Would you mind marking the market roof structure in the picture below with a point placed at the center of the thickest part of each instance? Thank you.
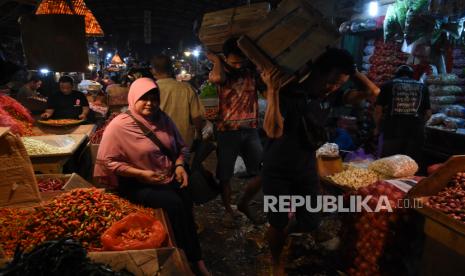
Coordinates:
(72, 7)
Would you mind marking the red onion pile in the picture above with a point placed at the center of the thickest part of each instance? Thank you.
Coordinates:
(451, 200)
(374, 230)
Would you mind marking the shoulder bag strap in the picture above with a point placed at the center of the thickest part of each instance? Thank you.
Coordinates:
(151, 135)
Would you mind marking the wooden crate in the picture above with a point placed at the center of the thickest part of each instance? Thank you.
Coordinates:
(292, 35)
(218, 26)
(438, 226)
(163, 261)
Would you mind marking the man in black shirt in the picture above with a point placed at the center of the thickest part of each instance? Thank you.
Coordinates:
(402, 108)
(67, 103)
(289, 166)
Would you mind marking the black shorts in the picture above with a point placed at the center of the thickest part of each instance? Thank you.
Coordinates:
(303, 184)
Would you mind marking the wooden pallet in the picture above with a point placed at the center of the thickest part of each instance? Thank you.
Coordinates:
(218, 26)
(292, 35)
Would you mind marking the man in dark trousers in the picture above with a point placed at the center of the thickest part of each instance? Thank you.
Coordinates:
(299, 114)
(402, 108)
(237, 124)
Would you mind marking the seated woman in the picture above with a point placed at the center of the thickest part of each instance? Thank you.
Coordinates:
(142, 153)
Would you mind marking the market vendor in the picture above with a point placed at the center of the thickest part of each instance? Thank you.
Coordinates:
(67, 103)
(294, 121)
(142, 153)
(29, 89)
(402, 109)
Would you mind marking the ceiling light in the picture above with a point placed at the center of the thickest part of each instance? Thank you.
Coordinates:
(373, 8)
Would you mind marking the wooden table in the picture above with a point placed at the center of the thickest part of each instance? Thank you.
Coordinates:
(53, 163)
(41, 130)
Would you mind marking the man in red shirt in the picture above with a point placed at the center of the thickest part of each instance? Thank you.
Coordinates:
(238, 117)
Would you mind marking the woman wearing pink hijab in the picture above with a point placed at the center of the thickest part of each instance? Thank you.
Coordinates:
(148, 174)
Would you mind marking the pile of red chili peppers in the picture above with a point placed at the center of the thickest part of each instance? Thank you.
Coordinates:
(82, 214)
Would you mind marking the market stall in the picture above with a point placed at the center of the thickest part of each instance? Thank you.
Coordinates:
(49, 207)
(442, 198)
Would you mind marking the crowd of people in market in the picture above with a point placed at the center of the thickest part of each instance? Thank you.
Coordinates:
(146, 150)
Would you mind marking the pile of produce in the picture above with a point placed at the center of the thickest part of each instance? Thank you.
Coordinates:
(386, 58)
(458, 61)
(15, 116)
(354, 177)
(36, 147)
(98, 108)
(50, 184)
(208, 90)
(82, 214)
(451, 200)
(96, 138)
(447, 101)
(64, 257)
(211, 112)
(375, 231)
(134, 232)
(209, 98)
(395, 166)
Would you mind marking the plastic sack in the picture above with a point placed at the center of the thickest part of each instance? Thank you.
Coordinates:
(436, 119)
(134, 232)
(391, 25)
(366, 66)
(395, 166)
(454, 123)
(329, 150)
(358, 156)
(445, 79)
(208, 90)
(366, 59)
(447, 90)
(457, 111)
(443, 100)
(369, 50)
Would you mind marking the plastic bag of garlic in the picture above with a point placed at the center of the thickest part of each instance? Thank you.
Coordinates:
(395, 166)
(328, 150)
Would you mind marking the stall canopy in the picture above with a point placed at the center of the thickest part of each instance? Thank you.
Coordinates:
(72, 7)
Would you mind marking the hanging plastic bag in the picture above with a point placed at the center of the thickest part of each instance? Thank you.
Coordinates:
(134, 232)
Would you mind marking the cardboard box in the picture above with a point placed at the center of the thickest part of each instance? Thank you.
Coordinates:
(17, 181)
(163, 261)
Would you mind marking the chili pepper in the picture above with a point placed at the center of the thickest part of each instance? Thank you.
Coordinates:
(80, 216)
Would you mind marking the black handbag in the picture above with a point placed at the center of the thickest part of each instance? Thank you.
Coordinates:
(202, 183)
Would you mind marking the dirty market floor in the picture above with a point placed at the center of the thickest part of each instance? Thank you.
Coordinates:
(242, 250)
